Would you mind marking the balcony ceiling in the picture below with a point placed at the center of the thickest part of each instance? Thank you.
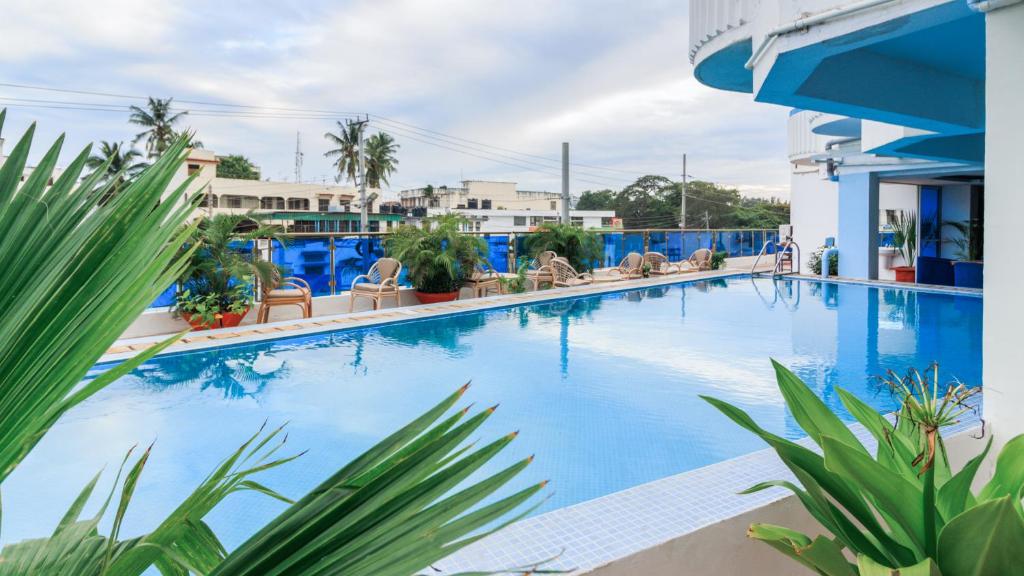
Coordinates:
(724, 69)
(923, 69)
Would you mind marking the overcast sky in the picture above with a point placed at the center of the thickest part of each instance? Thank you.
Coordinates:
(610, 77)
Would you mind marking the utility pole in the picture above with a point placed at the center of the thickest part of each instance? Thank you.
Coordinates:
(298, 157)
(364, 219)
(565, 183)
(682, 201)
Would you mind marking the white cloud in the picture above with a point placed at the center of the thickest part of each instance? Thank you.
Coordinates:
(610, 77)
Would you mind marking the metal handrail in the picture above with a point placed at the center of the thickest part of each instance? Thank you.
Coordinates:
(764, 250)
(779, 260)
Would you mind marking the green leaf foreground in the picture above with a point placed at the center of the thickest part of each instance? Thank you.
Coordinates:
(901, 511)
(82, 260)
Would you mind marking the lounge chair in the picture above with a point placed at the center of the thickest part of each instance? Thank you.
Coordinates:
(380, 282)
(631, 267)
(565, 275)
(699, 261)
(484, 279)
(290, 291)
(659, 264)
(539, 270)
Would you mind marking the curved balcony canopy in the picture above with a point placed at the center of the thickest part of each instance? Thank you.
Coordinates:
(837, 126)
(923, 68)
(720, 43)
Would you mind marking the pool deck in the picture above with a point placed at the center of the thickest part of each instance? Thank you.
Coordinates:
(331, 318)
(127, 347)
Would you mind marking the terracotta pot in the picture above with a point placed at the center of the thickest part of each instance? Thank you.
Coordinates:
(197, 323)
(230, 319)
(905, 274)
(435, 297)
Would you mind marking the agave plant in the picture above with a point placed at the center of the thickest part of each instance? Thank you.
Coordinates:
(904, 236)
(901, 511)
(581, 247)
(77, 272)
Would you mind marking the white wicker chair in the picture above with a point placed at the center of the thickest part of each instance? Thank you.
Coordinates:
(631, 267)
(659, 264)
(380, 282)
(540, 269)
(699, 261)
(565, 275)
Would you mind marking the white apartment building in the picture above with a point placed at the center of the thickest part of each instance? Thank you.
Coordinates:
(497, 207)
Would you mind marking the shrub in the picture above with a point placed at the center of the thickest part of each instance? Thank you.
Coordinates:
(580, 247)
(814, 261)
(438, 256)
(717, 260)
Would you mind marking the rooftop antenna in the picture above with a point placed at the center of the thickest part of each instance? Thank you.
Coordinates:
(298, 157)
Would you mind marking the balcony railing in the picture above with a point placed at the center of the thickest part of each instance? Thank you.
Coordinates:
(710, 19)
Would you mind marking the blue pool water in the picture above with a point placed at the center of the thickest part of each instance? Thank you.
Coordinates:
(604, 390)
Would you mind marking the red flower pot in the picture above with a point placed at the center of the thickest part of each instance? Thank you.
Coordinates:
(905, 274)
(197, 322)
(435, 297)
(230, 319)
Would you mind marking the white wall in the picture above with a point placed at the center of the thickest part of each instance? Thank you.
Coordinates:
(1004, 204)
(814, 206)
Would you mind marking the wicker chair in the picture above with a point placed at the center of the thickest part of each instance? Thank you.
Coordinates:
(484, 280)
(565, 275)
(290, 291)
(380, 282)
(699, 261)
(540, 270)
(631, 267)
(659, 264)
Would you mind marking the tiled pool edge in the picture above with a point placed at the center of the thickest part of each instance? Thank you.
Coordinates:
(593, 534)
(224, 337)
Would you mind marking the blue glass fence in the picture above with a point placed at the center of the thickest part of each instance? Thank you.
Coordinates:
(330, 263)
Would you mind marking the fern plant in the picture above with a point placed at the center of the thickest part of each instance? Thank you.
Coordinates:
(581, 247)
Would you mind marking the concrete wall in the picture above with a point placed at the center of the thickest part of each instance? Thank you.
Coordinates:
(1004, 205)
(814, 210)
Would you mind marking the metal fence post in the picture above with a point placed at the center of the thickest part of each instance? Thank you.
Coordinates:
(647, 241)
(330, 251)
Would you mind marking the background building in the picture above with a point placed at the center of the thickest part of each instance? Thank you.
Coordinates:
(496, 207)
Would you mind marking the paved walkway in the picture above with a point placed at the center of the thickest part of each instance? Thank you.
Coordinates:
(207, 338)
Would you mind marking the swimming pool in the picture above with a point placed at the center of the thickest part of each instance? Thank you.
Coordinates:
(603, 388)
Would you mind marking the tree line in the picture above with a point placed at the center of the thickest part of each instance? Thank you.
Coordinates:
(160, 125)
(654, 202)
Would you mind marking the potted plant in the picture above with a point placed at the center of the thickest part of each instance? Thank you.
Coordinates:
(580, 247)
(904, 238)
(218, 283)
(645, 270)
(438, 257)
(201, 311)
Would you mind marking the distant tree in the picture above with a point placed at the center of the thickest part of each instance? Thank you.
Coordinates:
(346, 155)
(381, 150)
(654, 202)
(121, 164)
(597, 200)
(238, 167)
(158, 119)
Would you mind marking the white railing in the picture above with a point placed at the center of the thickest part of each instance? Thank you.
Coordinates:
(712, 18)
(803, 143)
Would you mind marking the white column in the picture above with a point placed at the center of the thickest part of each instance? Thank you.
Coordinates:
(858, 225)
(1004, 211)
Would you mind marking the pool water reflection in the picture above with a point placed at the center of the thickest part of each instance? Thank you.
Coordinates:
(604, 390)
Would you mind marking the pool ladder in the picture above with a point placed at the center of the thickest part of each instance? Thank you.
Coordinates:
(782, 257)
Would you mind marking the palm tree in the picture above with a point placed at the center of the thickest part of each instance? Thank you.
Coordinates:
(347, 151)
(380, 158)
(119, 164)
(158, 120)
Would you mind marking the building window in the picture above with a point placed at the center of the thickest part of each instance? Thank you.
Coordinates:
(485, 204)
(193, 168)
(536, 220)
(298, 203)
(577, 221)
(323, 204)
(606, 222)
(208, 199)
(477, 226)
(272, 203)
(241, 202)
(471, 204)
(554, 205)
(519, 220)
